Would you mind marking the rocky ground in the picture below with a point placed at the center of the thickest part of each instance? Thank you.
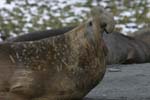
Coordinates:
(123, 82)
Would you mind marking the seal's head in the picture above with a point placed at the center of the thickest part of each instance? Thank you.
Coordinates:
(100, 22)
(107, 22)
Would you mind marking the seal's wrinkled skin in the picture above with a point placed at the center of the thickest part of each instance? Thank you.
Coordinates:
(33, 36)
(125, 49)
(142, 34)
(118, 47)
(63, 67)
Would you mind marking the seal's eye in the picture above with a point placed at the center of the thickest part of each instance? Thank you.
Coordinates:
(90, 23)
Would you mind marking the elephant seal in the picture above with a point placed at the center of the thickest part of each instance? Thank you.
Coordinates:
(63, 67)
(118, 47)
(142, 34)
(121, 48)
(124, 49)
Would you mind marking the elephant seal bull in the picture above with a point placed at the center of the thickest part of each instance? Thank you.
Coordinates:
(125, 49)
(142, 36)
(63, 67)
(121, 48)
(118, 48)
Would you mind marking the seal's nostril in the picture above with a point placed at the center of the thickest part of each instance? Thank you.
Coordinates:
(90, 23)
(103, 25)
(106, 31)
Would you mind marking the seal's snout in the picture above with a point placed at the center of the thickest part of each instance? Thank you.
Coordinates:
(104, 26)
(90, 23)
(107, 20)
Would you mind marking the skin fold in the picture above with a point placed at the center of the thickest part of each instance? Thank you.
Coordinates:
(62, 67)
(125, 49)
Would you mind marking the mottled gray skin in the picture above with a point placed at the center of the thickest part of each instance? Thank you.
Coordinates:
(64, 67)
(142, 34)
(125, 49)
(118, 48)
(122, 49)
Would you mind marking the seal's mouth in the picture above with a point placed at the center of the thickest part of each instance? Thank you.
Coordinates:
(105, 49)
(104, 46)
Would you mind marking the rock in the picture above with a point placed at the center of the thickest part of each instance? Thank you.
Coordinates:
(114, 69)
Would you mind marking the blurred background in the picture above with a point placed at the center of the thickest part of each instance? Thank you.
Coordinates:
(22, 16)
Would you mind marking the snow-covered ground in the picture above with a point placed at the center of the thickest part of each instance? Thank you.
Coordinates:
(56, 5)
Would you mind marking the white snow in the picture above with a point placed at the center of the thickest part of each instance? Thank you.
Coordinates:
(79, 10)
(31, 1)
(56, 6)
(127, 13)
(28, 25)
(128, 28)
(68, 20)
(148, 14)
(7, 6)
